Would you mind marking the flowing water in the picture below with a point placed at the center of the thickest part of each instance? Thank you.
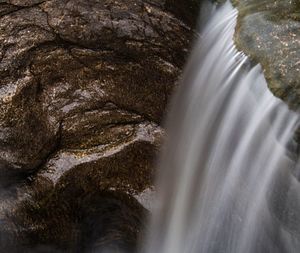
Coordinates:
(227, 182)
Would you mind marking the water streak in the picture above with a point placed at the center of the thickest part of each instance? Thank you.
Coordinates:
(224, 161)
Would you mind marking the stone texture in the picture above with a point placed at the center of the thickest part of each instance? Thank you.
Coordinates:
(83, 90)
(268, 31)
(187, 10)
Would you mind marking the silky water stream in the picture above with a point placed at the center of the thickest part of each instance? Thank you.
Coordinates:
(228, 180)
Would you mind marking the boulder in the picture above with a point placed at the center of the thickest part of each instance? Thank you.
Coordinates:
(84, 87)
(268, 32)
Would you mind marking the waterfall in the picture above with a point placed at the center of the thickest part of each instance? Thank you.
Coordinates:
(226, 182)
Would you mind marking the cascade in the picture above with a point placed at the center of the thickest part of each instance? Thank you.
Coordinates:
(226, 182)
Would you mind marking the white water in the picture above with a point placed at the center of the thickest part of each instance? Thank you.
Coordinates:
(226, 183)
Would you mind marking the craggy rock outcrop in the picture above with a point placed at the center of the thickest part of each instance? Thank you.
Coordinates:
(83, 90)
(268, 31)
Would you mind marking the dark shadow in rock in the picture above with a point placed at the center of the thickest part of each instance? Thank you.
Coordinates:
(117, 227)
(103, 221)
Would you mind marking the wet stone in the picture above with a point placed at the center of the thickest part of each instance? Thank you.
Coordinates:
(84, 87)
(268, 31)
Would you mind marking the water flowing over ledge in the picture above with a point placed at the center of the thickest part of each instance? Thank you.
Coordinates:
(227, 182)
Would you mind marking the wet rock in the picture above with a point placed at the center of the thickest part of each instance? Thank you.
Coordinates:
(268, 31)
(23, 3)
(124, 164)
(147, 198)
(188, 10)
(27, 135)
(83, 91)
(59, 221)
(83, 200)
(194, 13)
(53, 67)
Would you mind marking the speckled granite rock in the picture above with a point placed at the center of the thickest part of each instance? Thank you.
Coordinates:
(269, 32)
(83, 90)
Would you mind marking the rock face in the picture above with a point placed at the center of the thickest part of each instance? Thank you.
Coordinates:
(268, 31)
(83, 90)
(187, 10)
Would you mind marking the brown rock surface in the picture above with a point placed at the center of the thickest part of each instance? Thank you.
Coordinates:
(83, 90)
